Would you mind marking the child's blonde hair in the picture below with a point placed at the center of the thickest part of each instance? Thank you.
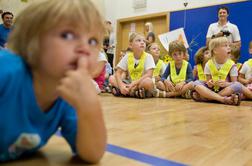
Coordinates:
(176, 46)
(43, 15)
(150, 25)
(150, 45)
(250, 44)
(134, 35)
(199, 55)
(216, 42)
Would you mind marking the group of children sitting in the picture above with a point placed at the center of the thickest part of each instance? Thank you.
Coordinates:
(216, 76)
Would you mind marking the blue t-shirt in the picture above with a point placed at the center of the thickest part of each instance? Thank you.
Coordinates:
(4, 32)
(24, 127)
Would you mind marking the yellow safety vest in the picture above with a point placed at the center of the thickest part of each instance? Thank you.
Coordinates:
(182, 73)
(249, 62)
(136, 72)
(158, 68)
(201, 75)
(220, 74)
(238, 65)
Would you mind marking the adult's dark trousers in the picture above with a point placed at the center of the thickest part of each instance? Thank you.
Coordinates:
(110, 59)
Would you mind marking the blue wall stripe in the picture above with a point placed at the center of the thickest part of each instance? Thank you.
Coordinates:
(138, 156)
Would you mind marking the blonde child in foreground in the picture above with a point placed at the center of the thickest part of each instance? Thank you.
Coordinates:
(221, 74)
(139, 66)
(46, 81)
(177, 78)
(201, 58)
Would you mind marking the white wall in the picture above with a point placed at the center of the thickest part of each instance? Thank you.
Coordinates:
(14, 6)
(116, 9)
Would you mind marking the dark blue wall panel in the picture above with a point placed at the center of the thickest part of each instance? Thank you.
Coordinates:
(198, 20)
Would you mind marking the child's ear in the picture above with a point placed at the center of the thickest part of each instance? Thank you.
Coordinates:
(214, 51)
(130, 45)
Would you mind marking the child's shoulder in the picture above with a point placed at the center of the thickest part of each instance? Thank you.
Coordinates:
(9, 59)
(248, 62)
(11, 63)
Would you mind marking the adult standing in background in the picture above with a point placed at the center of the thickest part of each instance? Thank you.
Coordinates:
(224, 28)
(149, 31)
(5, 28)
(109, 42)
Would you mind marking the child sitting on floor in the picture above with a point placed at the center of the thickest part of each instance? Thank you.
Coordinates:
(221, 74)
(139, 66)
(99, 73)
(235, 56)
(245, 76)
(176, 80)
(154, 50)
(201, 57)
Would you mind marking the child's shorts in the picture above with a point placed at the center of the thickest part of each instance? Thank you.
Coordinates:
(126, 81)
(235, 86)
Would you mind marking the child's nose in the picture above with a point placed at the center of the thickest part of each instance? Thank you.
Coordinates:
(83, 48)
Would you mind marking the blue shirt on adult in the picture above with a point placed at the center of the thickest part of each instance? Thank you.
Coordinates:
(189, 74)
(24, 126)
(4, 33)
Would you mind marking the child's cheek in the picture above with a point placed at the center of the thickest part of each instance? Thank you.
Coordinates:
(92, 63)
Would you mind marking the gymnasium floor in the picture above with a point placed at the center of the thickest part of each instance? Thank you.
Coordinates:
(164, 132)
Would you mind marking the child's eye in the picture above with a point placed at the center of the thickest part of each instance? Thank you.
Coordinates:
(68, 35)
(140, 40)
(155, 49)
(93, 42)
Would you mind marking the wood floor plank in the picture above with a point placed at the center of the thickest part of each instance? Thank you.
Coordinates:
(173, 129)
(181, 130)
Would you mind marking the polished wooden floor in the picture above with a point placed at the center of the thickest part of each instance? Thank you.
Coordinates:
(179, 130)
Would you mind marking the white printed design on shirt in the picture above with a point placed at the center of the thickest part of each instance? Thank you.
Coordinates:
(24, 142)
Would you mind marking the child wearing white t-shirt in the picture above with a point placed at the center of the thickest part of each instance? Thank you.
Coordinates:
(245, 76)
(139, 66)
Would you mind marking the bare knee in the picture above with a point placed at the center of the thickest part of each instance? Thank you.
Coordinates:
(147, 84)
(160, 85)
(112, 80)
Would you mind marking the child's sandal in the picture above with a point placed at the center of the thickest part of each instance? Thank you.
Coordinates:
(187, 94)
(234, 99)
(239, 98)
(115, 91)
(155, 92)
(159, 93)
(137, 95)
(142, 93)
(132, 93)
(195, 96)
